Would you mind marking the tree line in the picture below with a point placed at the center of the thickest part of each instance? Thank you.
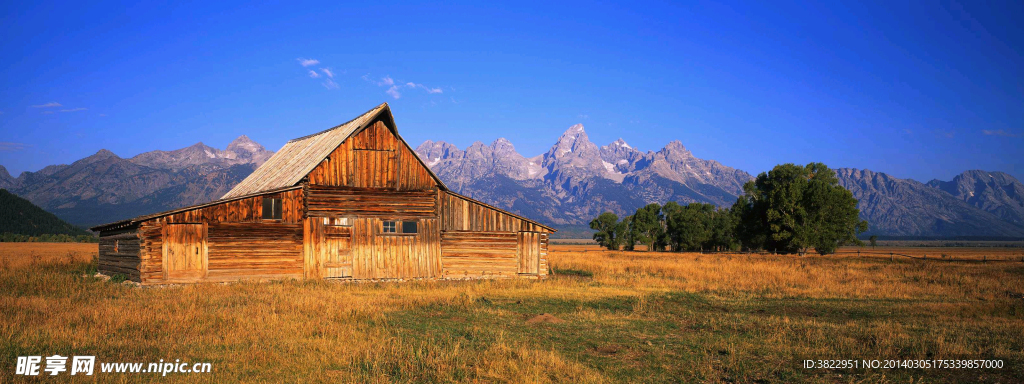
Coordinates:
(790, 209)
(21, 217)
(8, 237)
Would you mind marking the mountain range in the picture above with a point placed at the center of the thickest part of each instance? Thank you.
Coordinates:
(104, 187)
(568, 185)
(576, 180)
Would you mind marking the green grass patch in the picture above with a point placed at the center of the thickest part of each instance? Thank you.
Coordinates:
(571, 272)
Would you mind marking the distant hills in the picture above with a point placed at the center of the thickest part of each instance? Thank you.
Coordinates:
(566, 186)
(904, 207)
(994, 192)
(21, 217)
(104, 187)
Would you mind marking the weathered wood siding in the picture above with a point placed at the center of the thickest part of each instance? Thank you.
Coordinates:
(255, 250)
(529, 252)
(327, 248)
(328, 201)
(544, 240)
(481, 241)
(377, 255)
(119, 253)
(240, 244)
(461, 214)
(533, 253)
(184, 252)
(373, 158)
(372, 254)
(468, 254)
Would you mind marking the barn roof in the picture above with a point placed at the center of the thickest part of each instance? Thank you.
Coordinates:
(300, 156)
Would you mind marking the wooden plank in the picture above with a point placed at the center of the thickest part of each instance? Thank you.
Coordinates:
(185, 250)
(478, 253)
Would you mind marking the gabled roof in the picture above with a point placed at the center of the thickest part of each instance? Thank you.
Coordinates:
(300, 156)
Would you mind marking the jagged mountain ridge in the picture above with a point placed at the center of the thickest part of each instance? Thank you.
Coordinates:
(6, 180)
(576, 180)
(240, 151)
(994, 192)
(905, 207)
(104, 187)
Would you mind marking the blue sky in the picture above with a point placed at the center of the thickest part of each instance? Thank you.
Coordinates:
(923, 90)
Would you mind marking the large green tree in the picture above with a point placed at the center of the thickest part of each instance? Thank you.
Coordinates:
(689, 226)
(750, 230)
(609, 230)
(793, 208)
(646, 226)
(628, 235)
(723, 231)
(699, 227)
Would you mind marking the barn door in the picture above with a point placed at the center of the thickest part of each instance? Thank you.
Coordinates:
(337, 251)
(529, 253)
(184, 250)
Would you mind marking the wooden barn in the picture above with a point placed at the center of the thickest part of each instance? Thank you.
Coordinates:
(350, 202)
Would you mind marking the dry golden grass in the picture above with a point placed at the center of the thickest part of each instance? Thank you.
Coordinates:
(16, 255)
(944, 253)
(626, 317)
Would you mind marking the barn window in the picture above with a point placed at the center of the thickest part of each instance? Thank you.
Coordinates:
(271, 208)
(408, 227)
(399, 227)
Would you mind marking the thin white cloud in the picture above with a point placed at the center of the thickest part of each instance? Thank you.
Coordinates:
(103, 115)
(944, 133)
(395, 87)
(324, 73)
(48, 105)
(74, 109)
(393, 91)
(10, 147)
(582, 116)
(307, 62)
(1000, 132)
(47, 112)
(424, 87)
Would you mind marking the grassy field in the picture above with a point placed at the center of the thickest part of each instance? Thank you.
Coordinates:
(612, 317)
